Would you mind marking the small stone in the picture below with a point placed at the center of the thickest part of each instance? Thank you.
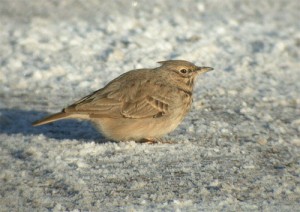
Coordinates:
(262, 141)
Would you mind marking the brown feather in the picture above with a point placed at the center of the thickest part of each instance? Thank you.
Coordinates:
(51, 118)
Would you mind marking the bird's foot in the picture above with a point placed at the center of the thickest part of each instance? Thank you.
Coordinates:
(153, 141)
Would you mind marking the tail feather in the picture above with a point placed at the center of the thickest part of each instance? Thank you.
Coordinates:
(51, 118)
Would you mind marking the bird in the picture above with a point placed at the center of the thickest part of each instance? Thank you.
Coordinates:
(141, 105)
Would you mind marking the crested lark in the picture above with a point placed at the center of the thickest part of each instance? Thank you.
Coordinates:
(142, 104)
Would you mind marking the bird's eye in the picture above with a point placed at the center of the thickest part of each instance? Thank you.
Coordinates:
(183, 71)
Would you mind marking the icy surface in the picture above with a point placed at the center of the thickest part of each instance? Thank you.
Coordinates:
(238, 149)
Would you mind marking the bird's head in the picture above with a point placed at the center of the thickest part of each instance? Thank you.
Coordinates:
(183, 69)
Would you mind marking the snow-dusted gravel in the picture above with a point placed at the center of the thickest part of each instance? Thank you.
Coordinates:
(237, 150)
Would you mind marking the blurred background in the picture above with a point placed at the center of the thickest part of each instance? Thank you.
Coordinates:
(78, 46)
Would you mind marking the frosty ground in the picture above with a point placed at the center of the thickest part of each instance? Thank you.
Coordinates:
(238, 149)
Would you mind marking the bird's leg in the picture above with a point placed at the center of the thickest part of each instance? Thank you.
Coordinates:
(147, 141)
(153, 141)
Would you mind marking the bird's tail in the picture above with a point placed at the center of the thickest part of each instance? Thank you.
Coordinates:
(51, 118)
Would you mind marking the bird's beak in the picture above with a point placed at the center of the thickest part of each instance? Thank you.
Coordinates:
(201, 70)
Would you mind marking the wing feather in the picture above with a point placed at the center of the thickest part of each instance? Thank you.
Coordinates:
(134, 100)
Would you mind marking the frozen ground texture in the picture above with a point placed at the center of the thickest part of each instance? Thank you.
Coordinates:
(238, 149)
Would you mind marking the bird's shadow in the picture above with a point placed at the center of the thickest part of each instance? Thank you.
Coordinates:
(15, 121)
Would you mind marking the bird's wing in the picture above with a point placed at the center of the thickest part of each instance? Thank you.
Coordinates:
(146, 106)
(96, 104)
(134, 100)
(146, 99)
